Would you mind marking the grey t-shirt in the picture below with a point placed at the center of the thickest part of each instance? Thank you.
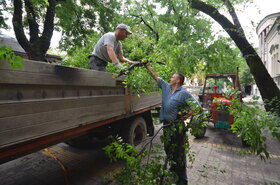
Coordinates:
(100, 49)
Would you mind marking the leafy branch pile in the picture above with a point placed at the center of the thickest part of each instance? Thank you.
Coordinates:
(156, 170)
(135, 171)
(253, 125)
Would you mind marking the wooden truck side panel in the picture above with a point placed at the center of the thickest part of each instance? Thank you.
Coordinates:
(45, 103)
(37, 119)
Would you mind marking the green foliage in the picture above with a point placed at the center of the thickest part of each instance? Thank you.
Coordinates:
(84, 18)
(274, 105)
(78, 57)
(2, 17)
(6, 54)
(222, 57)
(135, 172)
(118, 150)
(184, 43)
(246, 77)
(199, 122)
(251, 122)
(142, 82)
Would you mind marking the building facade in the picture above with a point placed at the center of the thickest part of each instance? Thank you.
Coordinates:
(268, 31)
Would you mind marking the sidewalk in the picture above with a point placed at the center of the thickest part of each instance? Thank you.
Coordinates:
(223, 164)
(221, 160)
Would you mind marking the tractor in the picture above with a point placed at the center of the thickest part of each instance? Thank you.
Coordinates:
(215, 87)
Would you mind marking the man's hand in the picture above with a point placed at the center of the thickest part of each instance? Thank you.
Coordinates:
(189, 114)
(133, 62)
(153, 73)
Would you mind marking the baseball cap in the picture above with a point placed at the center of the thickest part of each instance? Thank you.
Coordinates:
(125, 27)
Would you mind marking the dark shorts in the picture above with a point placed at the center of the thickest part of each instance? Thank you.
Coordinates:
(97, 63)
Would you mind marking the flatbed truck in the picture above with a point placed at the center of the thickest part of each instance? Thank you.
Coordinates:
(44, 104)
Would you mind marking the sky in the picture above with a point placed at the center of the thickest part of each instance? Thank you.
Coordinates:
(253, 13)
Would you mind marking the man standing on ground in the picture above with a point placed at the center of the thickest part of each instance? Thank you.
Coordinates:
(174, 98)
(109, 48)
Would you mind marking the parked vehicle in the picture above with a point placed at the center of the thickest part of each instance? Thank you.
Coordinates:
(216, 86)
(44, 104)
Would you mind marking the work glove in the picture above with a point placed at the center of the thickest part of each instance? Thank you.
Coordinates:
(118, 65)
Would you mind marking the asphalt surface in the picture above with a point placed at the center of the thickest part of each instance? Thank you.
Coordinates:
(219, 159)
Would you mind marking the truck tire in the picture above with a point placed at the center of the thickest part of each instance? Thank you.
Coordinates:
(136, 131)
(82, 142)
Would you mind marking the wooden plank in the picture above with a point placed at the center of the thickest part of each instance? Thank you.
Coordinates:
(51, 74)
(32, 107)
(14, 122)
(22, 77)
(55, 121)
(14, 92)
(145, 101)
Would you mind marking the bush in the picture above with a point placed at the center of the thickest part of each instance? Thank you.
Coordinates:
(251, 122)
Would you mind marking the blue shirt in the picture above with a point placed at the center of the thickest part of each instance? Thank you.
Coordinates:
(171, 102)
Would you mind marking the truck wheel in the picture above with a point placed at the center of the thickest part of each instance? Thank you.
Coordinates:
(84, 141)
(136, 131)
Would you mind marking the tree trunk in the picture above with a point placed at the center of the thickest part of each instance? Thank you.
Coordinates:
(37, 47)
(267, 87)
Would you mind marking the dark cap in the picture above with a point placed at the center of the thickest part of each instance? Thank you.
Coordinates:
(125, 27)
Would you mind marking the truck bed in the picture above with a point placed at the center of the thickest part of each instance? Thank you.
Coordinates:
(46, 103)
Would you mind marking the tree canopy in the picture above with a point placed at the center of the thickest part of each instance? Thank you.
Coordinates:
(34, 22)
(173, 32)
(267, 87)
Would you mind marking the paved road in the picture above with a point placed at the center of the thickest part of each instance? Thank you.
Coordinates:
(219, 159)
(83, 166)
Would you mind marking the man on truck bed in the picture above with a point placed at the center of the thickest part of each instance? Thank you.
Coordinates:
(109, 48)
(174, 97)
